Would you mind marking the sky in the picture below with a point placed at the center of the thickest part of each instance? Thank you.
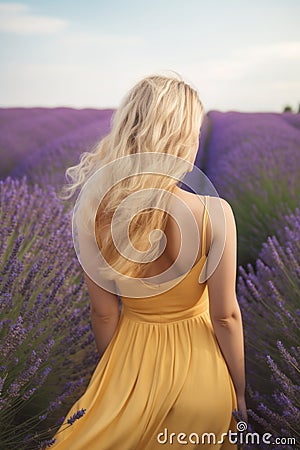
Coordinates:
(241, 55)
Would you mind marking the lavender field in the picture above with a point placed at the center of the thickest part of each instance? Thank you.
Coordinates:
(47, 348)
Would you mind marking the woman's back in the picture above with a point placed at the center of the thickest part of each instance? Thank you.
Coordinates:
(191, 253)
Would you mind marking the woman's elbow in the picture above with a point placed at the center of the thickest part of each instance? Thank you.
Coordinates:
(104, 316)
(227, 320)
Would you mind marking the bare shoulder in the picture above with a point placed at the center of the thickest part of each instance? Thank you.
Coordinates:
(195, 203)
(220, 214)
(197, 200)
(228, 211)
(221, 218)
(225, 204)
(218, 203)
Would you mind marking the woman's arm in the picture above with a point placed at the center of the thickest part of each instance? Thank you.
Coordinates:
(104, 314)
(224, 309)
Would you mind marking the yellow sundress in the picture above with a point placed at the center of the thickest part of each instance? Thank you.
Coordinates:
(162, 381)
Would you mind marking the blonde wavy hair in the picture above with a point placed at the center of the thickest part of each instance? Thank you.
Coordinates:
(160, 114)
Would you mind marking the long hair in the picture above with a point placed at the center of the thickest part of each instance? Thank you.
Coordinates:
(159, 115)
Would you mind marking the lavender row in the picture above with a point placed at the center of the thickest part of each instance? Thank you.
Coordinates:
(269, 298)
(26, 130)
(23, 129)
(47, 165)
(47, 347)
(253, 159)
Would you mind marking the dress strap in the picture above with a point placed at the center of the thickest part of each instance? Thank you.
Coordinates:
(204, 226)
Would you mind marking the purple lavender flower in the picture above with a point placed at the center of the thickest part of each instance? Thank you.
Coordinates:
(27, 130)
(76, 416)
(43, 296)
(269, 300)
(47, 443)
(46, 165)
(253, 160)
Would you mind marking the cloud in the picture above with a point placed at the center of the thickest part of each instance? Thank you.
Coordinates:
(62, 84)
(282, 50)
(17, 18)
(248, 60)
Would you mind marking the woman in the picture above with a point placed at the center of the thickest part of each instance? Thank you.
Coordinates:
(172, 361)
